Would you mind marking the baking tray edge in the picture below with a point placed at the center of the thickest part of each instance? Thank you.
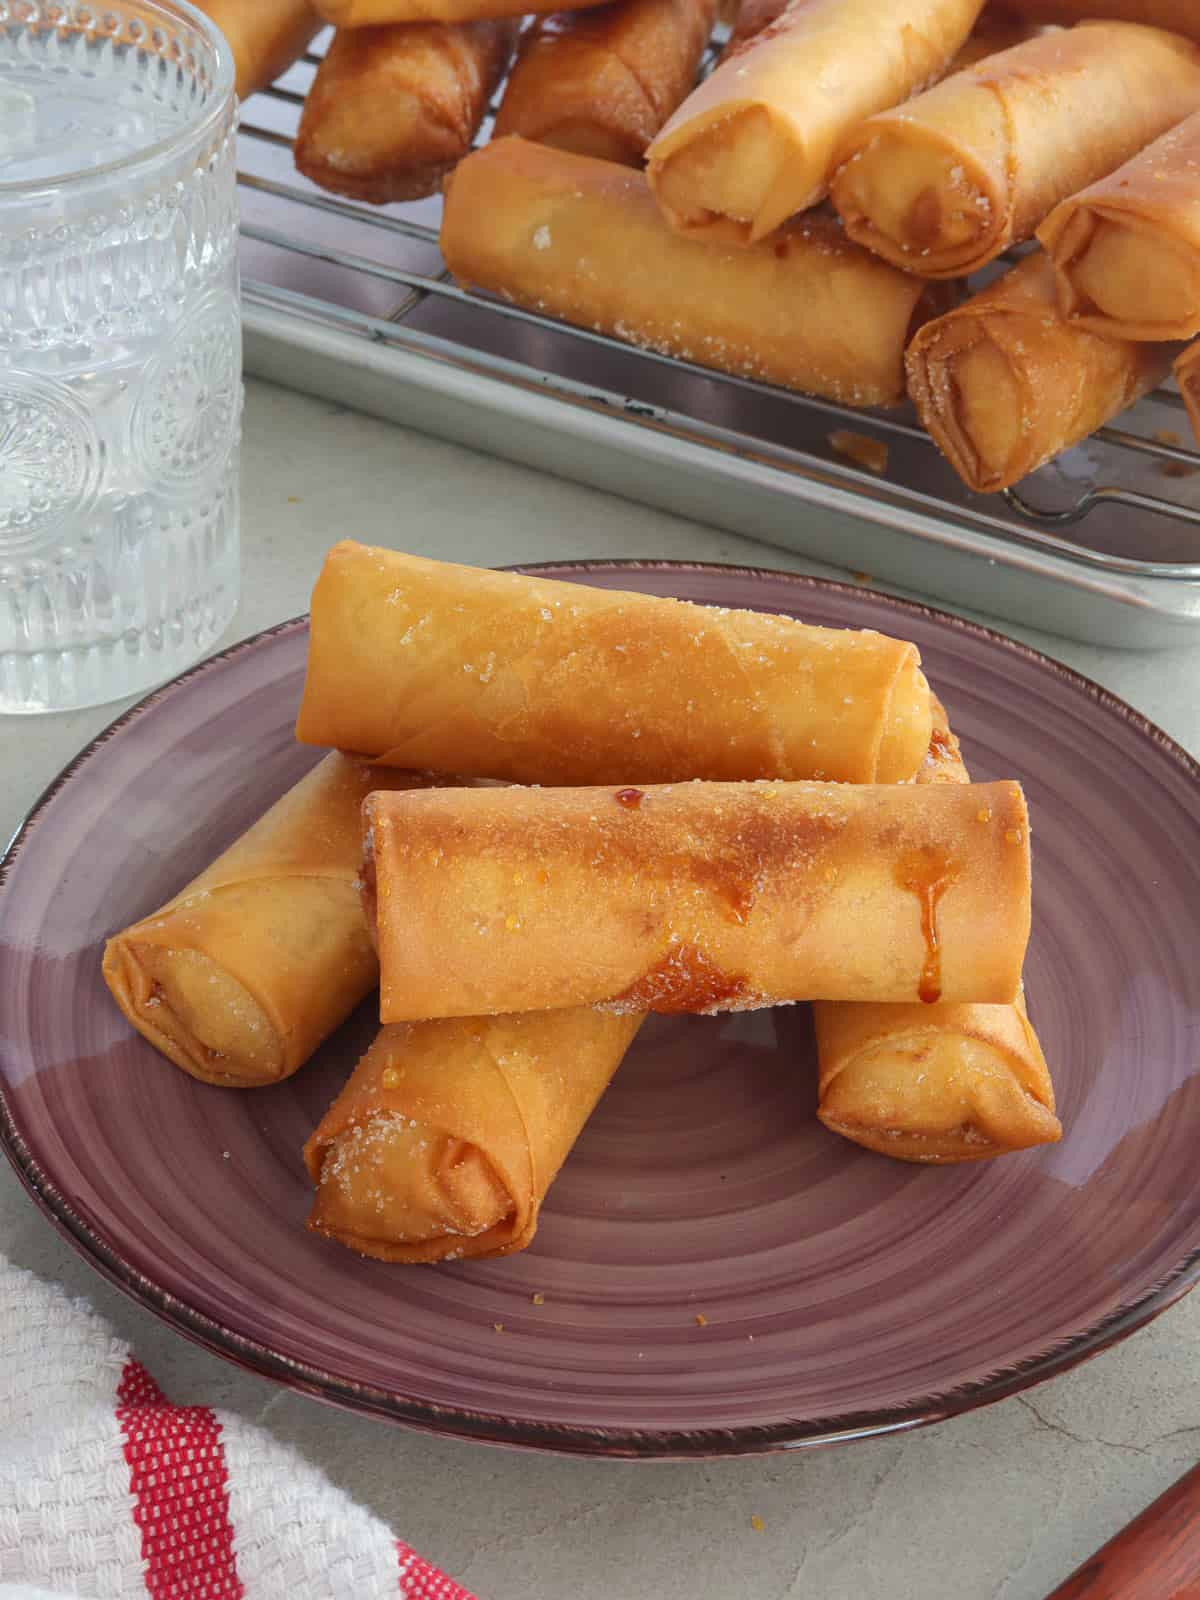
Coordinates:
(603, 447)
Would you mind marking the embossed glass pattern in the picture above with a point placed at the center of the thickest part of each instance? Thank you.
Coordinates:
(120, 348)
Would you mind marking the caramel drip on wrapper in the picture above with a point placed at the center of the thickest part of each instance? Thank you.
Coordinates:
(928, 876)
(684, 980)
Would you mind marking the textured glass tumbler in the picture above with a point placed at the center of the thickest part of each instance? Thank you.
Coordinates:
(120, 348)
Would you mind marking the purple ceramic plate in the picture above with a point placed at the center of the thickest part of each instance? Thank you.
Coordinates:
(842, 1294)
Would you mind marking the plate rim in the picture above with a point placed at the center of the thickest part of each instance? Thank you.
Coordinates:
(573, 1438)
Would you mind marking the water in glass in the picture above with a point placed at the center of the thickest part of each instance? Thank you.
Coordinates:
(120, 348)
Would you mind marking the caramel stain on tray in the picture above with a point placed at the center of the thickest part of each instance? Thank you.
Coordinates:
(928, 874)
(861, 449)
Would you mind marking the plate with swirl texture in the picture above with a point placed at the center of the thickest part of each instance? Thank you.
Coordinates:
(715, 1273)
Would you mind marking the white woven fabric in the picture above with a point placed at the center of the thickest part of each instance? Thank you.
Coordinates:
(66, 1512)
(109, 1492)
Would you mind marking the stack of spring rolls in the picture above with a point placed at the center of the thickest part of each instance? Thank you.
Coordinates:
(568, 808)
(809, 214)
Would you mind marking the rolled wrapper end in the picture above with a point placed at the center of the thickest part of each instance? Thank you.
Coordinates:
(741, 160)
(443, 1143)
(1127, 251)
(944, 375)
(1004, 383)
(919, 200)
(398, 1190)
(966, 1084)
(196, 1013)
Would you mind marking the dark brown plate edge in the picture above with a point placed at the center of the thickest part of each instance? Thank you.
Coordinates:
(564, 1439)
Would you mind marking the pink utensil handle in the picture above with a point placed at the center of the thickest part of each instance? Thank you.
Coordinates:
(1156, 1557)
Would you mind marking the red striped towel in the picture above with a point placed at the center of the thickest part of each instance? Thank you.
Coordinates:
(109, 1492)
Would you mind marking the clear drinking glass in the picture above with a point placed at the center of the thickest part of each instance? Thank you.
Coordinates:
(120, 348)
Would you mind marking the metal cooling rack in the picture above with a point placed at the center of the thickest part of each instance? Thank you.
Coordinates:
(354, 301)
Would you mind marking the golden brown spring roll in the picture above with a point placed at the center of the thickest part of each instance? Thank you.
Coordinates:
(1187, 375)
(935, 1084)
(239, 977)
(378, 13)
(695, 897)
(758, 140)
(265, 37)
(602, 82)
(393, 110)
(1005, 383)
(944, 184)
(1179, 16)
(424, 664)
(1127, 250)
(584, 241)
(446, 1138)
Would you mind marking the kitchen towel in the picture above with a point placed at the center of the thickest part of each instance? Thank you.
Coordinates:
(110, 1492)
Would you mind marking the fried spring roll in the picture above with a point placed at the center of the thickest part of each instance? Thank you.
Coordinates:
(377, 13)
(935, 1084)
(1127, 250)
(758, 140)
(265, 37)
(602, 82)
(446, 1138)
(239, 977)
(1187, 375)
(393, 110)
(944, 184)
(1004, 383)
(1178, 16)
(584, 241)
(543, 682)
(695, 897)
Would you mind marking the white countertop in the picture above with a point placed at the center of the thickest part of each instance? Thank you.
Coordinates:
(1004, 1502)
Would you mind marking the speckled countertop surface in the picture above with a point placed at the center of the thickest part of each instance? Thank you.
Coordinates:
(1001, 1503)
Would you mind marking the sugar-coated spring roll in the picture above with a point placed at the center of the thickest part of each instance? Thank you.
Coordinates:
(941, 1083)
(602, 82)
(1127, 250)
(422, 664)
(943, 184)
(695, 897)
(446, 1138)
(583, 240)
(1187, 375)
(393, 109)
(377, 13)
(1005, 382)
(265, 37)
(1179, 16)
(758, 140)
(239, 977)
